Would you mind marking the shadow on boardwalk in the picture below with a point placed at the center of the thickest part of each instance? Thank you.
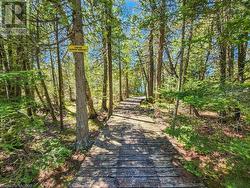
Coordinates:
(132, 152)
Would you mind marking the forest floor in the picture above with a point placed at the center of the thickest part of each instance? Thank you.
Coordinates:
(36, 152)
(217, 152)
(132, 151)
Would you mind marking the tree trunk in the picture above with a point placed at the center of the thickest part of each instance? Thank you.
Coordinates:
(171, 64)
(52, 112)
(181, 61)
(40, 97)
(223, 60)
(92, 112)
(142, 67)
(222, 47)
(230, 59)
(54, 80)
(27, 85)
(109, 45)
(161, 48)
(151, 67)
(82, 129)
(105, 73)
(188, 53)
(3, 59)
(127, 85)
(60, 76)
(242, 49)
(120, 74)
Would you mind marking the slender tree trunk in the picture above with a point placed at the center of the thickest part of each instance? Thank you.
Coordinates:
(82, 129)
(60, 76)
(27, 85)
(10, 64)
(142, 67)
(52, 112)
(161, 48)
(3, 59)
(203, 70)
(223, 59)
(120, 74)
(171, 64)
(222, 46)
(186, 62)
(105, 74)
(242, 49)
(181, 61)
(230, 60)
(40, 97)
(109, 38)
(54, 80)
(127, 85)
(18, 66)
(151, 67)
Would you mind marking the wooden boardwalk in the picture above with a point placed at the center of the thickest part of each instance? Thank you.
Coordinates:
(132, 152)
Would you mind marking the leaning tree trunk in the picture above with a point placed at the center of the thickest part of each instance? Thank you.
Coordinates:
(52, 112)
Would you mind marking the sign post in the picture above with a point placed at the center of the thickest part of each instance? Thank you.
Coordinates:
(77, 48)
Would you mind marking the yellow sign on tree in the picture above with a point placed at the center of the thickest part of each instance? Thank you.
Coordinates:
(77, 48)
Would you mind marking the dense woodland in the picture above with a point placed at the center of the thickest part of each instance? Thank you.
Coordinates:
(190, 58)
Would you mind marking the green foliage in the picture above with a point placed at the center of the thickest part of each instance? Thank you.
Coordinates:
(54, 154)
(236, 151)
(208, 95)
(21, 139)
(19, 77)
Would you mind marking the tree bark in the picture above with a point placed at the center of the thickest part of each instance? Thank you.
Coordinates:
(171, 64)
(60, 76)
(24, 57)
(120, 74)
(161, 47)
(105, 73)
(3, 59)
(186, 62)
(127, 79)
(92, 112)
(222, 47)
(151, 67)
(82, 129)
(181, 61)
(52, 112)
(230, 59)
(242, 49)
(109, 46)
(54, 80)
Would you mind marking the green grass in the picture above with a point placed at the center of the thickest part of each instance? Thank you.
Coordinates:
(233, 150)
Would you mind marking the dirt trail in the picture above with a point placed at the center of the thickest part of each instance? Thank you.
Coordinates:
(132, 152)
